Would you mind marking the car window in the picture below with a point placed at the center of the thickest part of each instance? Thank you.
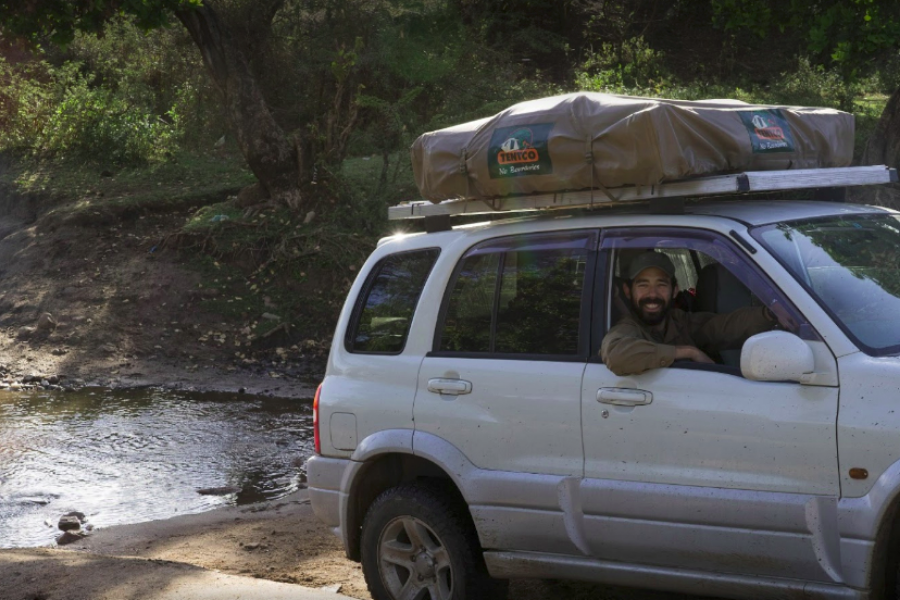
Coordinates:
(383, 314)
(467, 327)
(850, 263)
(518, 296)
(725, 282)
(713, 249)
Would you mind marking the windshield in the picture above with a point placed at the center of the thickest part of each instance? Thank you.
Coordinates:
(851, 264)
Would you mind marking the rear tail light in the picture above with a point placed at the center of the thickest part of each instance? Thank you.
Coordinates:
(317, 440)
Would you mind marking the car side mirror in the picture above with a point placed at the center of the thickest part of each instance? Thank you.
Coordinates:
(777, 356)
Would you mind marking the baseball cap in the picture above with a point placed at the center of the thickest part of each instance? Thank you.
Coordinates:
(646, 260)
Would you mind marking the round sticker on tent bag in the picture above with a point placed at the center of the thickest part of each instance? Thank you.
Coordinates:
(769, 130)
(520, 150)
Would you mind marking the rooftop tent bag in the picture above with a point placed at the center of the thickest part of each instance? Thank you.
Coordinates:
(587, 140)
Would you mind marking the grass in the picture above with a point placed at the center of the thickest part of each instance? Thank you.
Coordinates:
(362, 176)
(73, 187)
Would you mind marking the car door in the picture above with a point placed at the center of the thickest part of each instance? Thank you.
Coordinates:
(699, 468)
(503, 382)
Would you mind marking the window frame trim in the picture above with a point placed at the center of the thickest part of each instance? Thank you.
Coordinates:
(356, 314)
(584, 313)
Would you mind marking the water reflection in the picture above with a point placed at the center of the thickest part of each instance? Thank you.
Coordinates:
(139, 455)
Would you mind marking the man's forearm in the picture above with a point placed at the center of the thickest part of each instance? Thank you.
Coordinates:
(633, 356)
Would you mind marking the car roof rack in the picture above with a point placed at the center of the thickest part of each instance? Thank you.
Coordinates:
(675, 191)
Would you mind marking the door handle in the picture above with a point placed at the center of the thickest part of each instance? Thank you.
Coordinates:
(452, 387)
(624, 396)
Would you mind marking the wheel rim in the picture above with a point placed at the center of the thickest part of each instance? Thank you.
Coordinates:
(413, 561)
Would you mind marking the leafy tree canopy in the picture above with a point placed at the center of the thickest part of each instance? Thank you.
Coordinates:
(849, 32)
(59, 20)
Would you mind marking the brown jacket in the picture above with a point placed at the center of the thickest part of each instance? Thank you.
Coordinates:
(630, 347)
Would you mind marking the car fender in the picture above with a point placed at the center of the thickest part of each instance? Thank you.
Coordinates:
(861, 523)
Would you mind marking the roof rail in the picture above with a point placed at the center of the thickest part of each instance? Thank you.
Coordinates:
(716, 185)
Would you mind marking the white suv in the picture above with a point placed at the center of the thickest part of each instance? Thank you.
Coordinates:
(467, 431)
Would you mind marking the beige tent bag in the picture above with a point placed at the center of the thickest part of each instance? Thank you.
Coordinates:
(596, 141)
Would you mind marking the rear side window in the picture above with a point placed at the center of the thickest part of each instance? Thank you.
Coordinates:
(384, 312)
(519, 296)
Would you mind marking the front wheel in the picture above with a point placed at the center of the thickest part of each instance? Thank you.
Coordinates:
(418, 544)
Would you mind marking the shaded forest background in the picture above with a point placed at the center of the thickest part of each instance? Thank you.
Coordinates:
(129, 108)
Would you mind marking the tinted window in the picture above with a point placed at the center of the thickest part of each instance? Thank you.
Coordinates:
(382, 318)
(519, 296)
(467, 327)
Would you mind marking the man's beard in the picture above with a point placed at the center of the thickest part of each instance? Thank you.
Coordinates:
(656, 318)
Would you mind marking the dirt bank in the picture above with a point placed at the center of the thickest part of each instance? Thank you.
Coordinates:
(100, 298)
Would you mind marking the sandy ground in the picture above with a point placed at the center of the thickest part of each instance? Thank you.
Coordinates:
(280, 541)
(82, 576)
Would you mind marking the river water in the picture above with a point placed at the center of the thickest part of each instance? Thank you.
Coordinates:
(127, 456)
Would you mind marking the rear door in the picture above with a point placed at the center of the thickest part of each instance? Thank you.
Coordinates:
(503, 382)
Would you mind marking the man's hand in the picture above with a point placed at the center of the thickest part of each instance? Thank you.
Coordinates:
(692, 353)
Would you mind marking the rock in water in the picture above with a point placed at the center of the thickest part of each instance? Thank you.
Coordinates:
(69, 523)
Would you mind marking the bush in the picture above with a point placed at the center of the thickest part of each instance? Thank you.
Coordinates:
(813, 85)
(60, 110)
(626, 68)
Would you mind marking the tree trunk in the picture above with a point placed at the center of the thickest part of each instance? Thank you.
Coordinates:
(883, 148)
(272, 156)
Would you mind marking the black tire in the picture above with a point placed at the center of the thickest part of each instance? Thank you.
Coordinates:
(418, 543)
(891, 583)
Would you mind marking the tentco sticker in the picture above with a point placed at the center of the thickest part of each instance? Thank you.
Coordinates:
(769, 130)
(520, 150)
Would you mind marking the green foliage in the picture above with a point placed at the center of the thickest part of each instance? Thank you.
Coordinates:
(363, 78)
(128, 97)
(59, 20)
(622, 68)
(847, 33)
(48, 109)
(755, 16)
(533, 31)
(295, 265)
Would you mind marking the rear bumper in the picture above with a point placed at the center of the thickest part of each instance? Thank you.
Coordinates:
(324, 476)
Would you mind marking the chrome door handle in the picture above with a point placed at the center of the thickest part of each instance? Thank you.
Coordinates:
(624, 396)
(452, 387)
